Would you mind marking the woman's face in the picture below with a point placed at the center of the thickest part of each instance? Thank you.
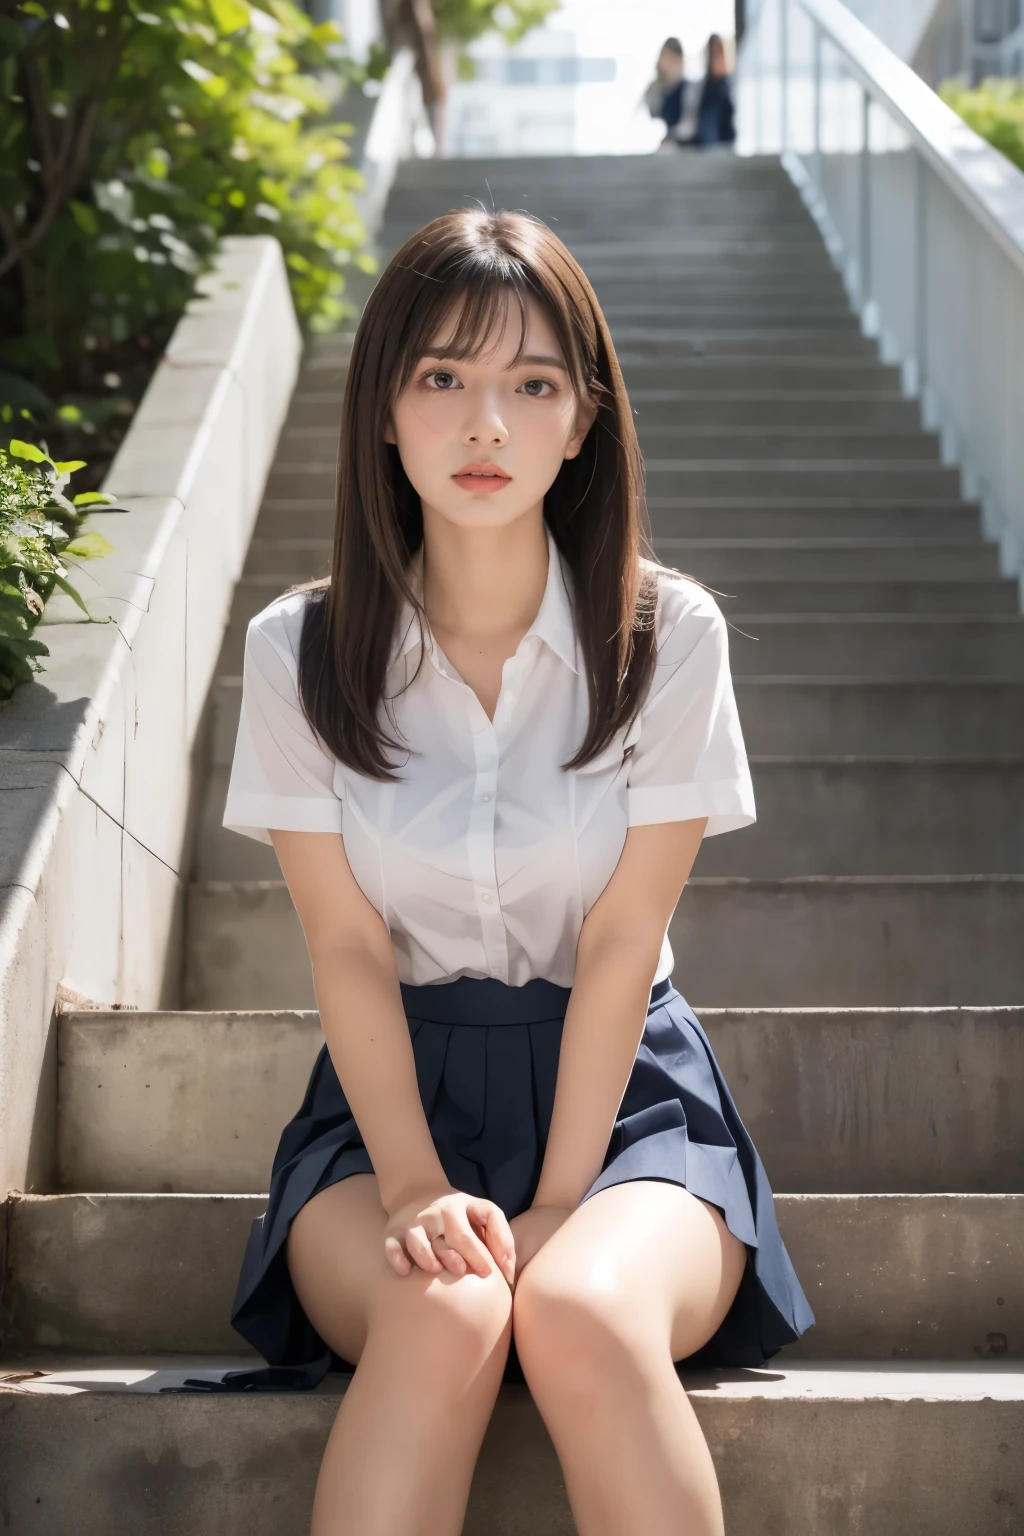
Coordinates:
(670, 65)
(482, 441)
(716, 59)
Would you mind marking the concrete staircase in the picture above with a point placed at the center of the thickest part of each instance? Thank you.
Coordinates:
(857, 956)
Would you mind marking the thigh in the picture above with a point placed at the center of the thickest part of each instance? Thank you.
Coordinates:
(335, 1256)
(662, 1264)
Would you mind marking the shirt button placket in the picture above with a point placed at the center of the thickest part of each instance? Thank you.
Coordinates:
(481, 850)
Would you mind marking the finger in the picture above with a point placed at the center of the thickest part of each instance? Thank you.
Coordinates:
(460, 1236)
(450, 1258)
(497, 1233)
(418, 1247)
(397, 1256)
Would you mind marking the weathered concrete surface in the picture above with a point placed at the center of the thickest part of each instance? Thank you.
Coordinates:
(814, 942)
(96, 752)
(800, 1451)
(889, 1276)
(837, 1102)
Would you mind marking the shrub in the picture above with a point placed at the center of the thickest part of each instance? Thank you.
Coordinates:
(466, 20)
(995, 110)
(38, 531)
(133, 134)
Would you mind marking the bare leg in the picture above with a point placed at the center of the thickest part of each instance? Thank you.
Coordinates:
(640, 1275)
(430, 1350)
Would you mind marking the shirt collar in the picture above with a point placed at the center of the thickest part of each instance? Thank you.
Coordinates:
(553, 624)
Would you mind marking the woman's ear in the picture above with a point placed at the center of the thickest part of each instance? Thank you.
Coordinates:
(389, 430)
(586, 415)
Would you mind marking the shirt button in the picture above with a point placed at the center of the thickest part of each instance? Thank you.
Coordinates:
(485, 896)
(487, 796)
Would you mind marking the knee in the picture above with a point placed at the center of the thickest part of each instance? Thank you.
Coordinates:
(574, 1332)
(445, 1327)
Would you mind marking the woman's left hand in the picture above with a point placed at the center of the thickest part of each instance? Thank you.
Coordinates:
(531, 1230)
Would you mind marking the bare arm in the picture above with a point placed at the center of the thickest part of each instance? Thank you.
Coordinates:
(616, 960)
(357, 991)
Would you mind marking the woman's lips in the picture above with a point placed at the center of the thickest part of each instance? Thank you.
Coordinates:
(481, 479)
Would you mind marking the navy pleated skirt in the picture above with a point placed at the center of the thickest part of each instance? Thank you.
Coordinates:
(486, 1062)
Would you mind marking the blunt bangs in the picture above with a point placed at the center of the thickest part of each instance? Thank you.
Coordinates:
(467, 294)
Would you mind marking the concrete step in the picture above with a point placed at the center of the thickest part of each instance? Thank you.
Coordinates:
(882, 411)
(729, 475)
(826, 560)
(818, 518)
(808, 941)
(642, 322)
(895, 717)
(667, 295)
(838, 1102)
(850, 816)
(801, 345)
(969, 563)
(812, 717)
(862, 595)
(938, 1440)
(880, 479)
(680, 439)
(154, 1274)
(690, 370)
(830, 816)
(878, 645)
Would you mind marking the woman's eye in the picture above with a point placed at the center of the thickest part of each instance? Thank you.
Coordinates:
(441, 380)
(538, 388)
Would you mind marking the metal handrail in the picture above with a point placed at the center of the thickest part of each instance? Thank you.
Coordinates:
(984, 180)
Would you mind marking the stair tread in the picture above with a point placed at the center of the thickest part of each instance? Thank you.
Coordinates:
(814, 1380)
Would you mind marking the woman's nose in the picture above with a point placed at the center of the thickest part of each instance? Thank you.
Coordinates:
(486, 425)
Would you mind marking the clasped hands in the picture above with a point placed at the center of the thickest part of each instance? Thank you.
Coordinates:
(450, 1230)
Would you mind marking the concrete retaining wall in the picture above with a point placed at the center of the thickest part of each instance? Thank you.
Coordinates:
(95, 753)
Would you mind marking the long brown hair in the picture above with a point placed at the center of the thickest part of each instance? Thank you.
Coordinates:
(480, 263)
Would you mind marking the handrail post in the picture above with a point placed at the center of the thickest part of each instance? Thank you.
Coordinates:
(920, 380)
(817, 105)
(864, 285)
(783, 76)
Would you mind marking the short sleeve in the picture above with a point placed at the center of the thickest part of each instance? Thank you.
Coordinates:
(689, 760)
(281, 775)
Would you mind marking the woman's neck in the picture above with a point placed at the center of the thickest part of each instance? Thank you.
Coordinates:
(483, 584)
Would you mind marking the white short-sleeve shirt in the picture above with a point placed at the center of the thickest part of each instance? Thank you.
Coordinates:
(486, 858)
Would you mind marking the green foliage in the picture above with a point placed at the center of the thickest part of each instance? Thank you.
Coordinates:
(133, 135)
(38, 529)
(464, 20)
(995, 110)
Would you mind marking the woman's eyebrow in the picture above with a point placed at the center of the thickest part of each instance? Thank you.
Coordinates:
(532, 359)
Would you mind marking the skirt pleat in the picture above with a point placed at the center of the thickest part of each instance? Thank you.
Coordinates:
(488, 1092)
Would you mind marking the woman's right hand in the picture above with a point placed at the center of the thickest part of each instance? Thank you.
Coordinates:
(449, 1230)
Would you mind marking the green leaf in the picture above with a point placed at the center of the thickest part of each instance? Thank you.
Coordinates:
(28, 451)
(85, 217)
(65, 586)
(88, 546)
(230, 15)
(68, 466)
(93, 499)
(70, 413)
